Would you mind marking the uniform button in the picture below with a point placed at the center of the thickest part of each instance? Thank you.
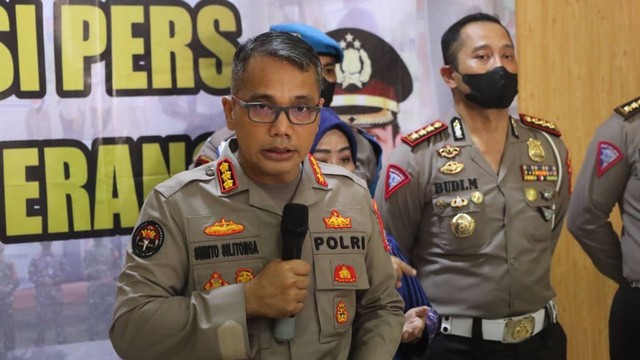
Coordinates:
(210, 172)
(513, 263)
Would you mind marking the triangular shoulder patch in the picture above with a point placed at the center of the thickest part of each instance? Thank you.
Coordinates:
(424, 133)
(544, 125)
(628, 109)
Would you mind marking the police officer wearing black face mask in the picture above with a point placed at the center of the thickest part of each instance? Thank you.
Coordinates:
(478, 199)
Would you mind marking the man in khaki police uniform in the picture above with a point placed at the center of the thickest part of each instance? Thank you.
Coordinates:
(478, 201)
(330, 53)
(610, 175)
(203, 278)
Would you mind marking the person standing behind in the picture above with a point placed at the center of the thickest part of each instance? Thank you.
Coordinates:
(47, 272)
(610, 175)
(478, 202)
(203, 278)
(335, 144)
(9, 282)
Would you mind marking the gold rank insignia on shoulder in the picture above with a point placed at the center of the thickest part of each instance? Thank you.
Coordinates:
(424, 133)
(544, 125)
(629, 109)
(227, 175)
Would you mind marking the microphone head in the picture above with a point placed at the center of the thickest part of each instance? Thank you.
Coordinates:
(295, 224)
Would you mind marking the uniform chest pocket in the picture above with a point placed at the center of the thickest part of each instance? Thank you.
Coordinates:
(540, 199)
(338, 276)
(457, 220)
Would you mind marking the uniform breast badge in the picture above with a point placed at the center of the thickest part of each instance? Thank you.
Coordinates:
(547, 213)
(449, 151)
(536, 152)
(336, 221)
(344, 273)
(459, 202)
(215, 281)
(223, 228)
(462, 225)
(451, 167)
(244, 275)
(477, 197)
(530, 194)
(547, 194)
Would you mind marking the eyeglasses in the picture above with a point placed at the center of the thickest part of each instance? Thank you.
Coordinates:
(266, 113)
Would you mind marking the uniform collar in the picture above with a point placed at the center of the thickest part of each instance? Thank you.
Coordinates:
(305, 194)
(461, 136)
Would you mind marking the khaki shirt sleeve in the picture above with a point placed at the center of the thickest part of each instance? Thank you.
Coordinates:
(378, 325)
(153, 320)
(593, 200)
(401, 206)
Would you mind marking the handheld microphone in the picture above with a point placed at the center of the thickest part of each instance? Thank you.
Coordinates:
(293, 228)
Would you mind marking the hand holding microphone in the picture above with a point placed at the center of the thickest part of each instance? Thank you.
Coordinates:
(294, 228)
(279, 290)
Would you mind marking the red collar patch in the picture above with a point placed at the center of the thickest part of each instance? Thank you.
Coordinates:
(317, 173)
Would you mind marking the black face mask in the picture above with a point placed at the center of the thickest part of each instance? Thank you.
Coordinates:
(494, 89)
(327, 92)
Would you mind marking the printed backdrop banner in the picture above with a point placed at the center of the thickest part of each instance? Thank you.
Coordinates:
(100, 100)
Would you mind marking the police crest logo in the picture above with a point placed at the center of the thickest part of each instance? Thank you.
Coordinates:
(147, 239)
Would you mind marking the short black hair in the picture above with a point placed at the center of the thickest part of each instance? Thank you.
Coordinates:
(451, 38)
(279, 45)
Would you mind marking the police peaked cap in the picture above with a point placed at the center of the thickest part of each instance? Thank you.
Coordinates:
(319, 41)
(372, 79)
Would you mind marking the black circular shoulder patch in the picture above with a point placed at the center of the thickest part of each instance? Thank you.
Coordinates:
(147, 239)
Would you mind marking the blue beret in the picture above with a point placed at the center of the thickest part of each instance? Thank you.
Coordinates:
(329, 120)
(322, 43)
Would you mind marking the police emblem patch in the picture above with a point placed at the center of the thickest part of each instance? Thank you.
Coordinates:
(147, 239)
(344, 273)
(396, 177)
(608, 155)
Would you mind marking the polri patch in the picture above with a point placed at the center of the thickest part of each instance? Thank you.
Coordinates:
(147, 239)
(608, 155)
(396, 177)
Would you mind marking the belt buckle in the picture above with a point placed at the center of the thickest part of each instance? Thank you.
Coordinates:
(518, 330)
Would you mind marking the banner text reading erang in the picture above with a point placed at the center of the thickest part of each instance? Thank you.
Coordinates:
(162, 48)
(61, 189)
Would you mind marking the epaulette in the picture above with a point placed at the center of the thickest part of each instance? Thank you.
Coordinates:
(628, 109)
(544, 125)
(424, 133)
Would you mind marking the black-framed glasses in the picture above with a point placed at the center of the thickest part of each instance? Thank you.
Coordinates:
(267, 113)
